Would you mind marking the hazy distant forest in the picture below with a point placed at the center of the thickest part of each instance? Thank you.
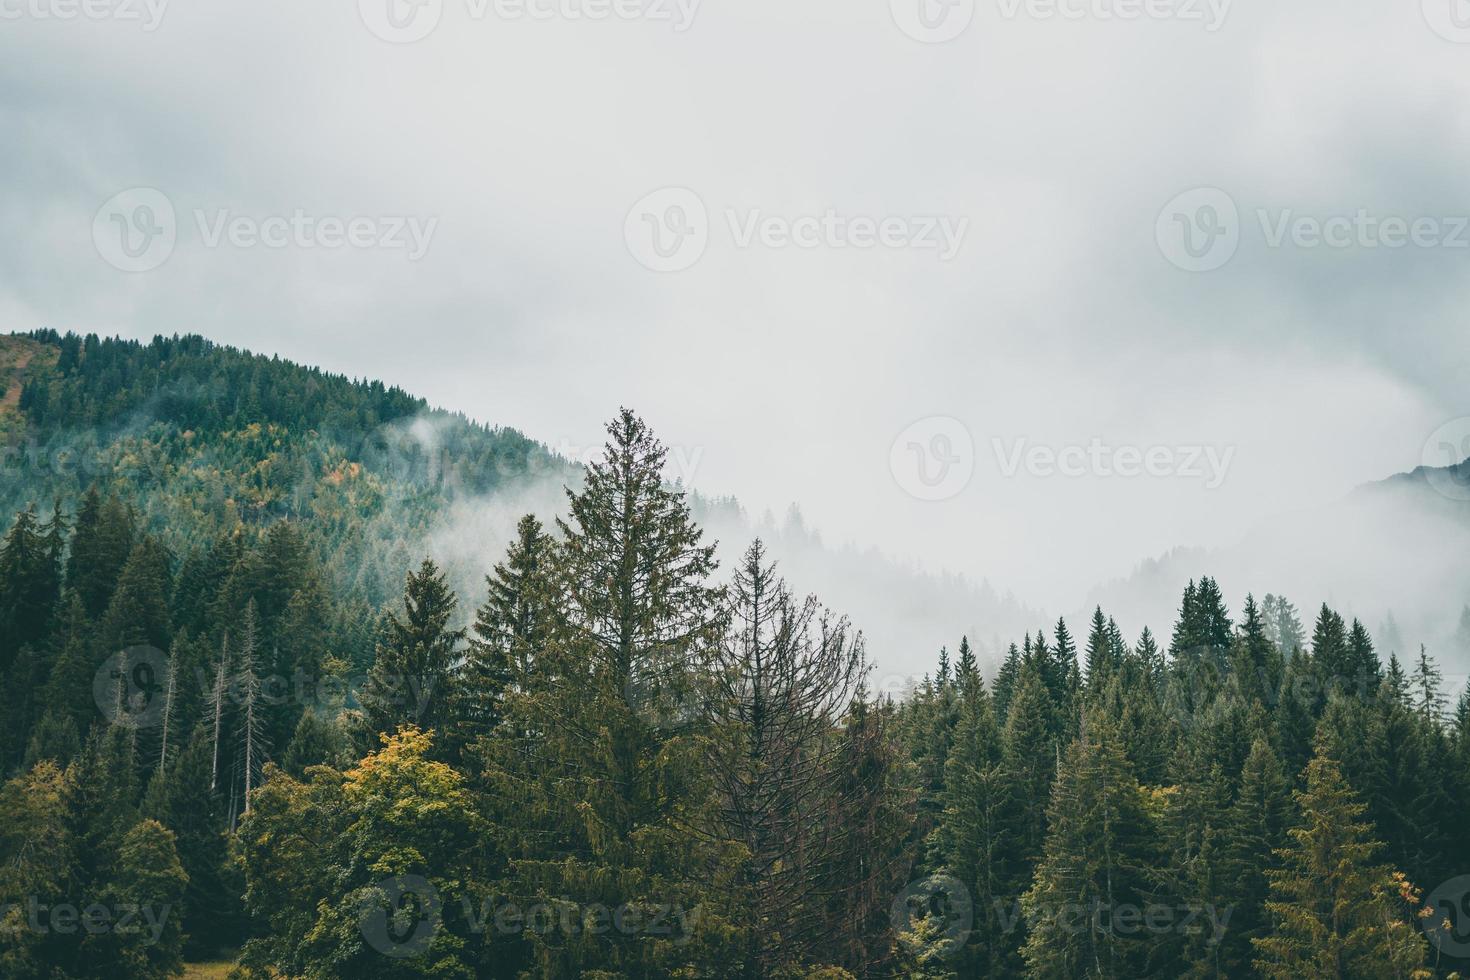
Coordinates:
(244, 721)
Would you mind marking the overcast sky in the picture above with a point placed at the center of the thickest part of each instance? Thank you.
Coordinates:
(892, 265)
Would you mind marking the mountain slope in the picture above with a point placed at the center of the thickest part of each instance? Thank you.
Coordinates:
(202, 438)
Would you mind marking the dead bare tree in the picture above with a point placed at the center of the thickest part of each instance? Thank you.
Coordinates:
(782, 680)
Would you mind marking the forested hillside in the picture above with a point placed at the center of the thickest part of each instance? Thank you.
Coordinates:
(244, 719)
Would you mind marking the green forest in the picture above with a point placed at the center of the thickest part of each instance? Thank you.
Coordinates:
(246, 722)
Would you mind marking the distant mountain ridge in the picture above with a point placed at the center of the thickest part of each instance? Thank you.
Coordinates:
(1391, 551)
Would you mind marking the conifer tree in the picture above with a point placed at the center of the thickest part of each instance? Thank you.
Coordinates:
(508, 636)
(29, 587)
(1100, 649)
(137, 614)
(101, 544)
(974, 834)
(1097, 862)
(967, 671)
(783, 677)
(1336, 914)
(1255, 830)
(1330, 653)
(1255, 663)
(1362, 661)
(1283, 625)
(1006, 679)
(411, 679)
(591, 802)
(1030, 753)
(1429, 700)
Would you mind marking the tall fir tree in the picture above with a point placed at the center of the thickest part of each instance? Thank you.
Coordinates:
(411, 681)
(1336, 914)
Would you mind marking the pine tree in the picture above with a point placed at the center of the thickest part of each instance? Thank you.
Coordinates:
(1429, 700)
(1098, 861)
(589, 801)
(69, 688)
(967, 671)
(1365, 670)
(137, 614)
(1255, 830)
(1330, 652)
(183, 801)
(1283, 625)
(783, 677)
(101, 544)
(1336, 914)
(974, 833)
(412, 677)
(1030, 752)
(1255, 664)
(1100, 649)
(1151, 660)
(29, 587)
(509, 634)
(1005, 682)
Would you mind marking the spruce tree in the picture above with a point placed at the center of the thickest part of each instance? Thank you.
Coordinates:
(508, 635)
(411, 680)
(1255, 830)
(592, 795)
(1096, 869)
(974, 835)
(1336, 914)
(1100, 649)
(1030, 751)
